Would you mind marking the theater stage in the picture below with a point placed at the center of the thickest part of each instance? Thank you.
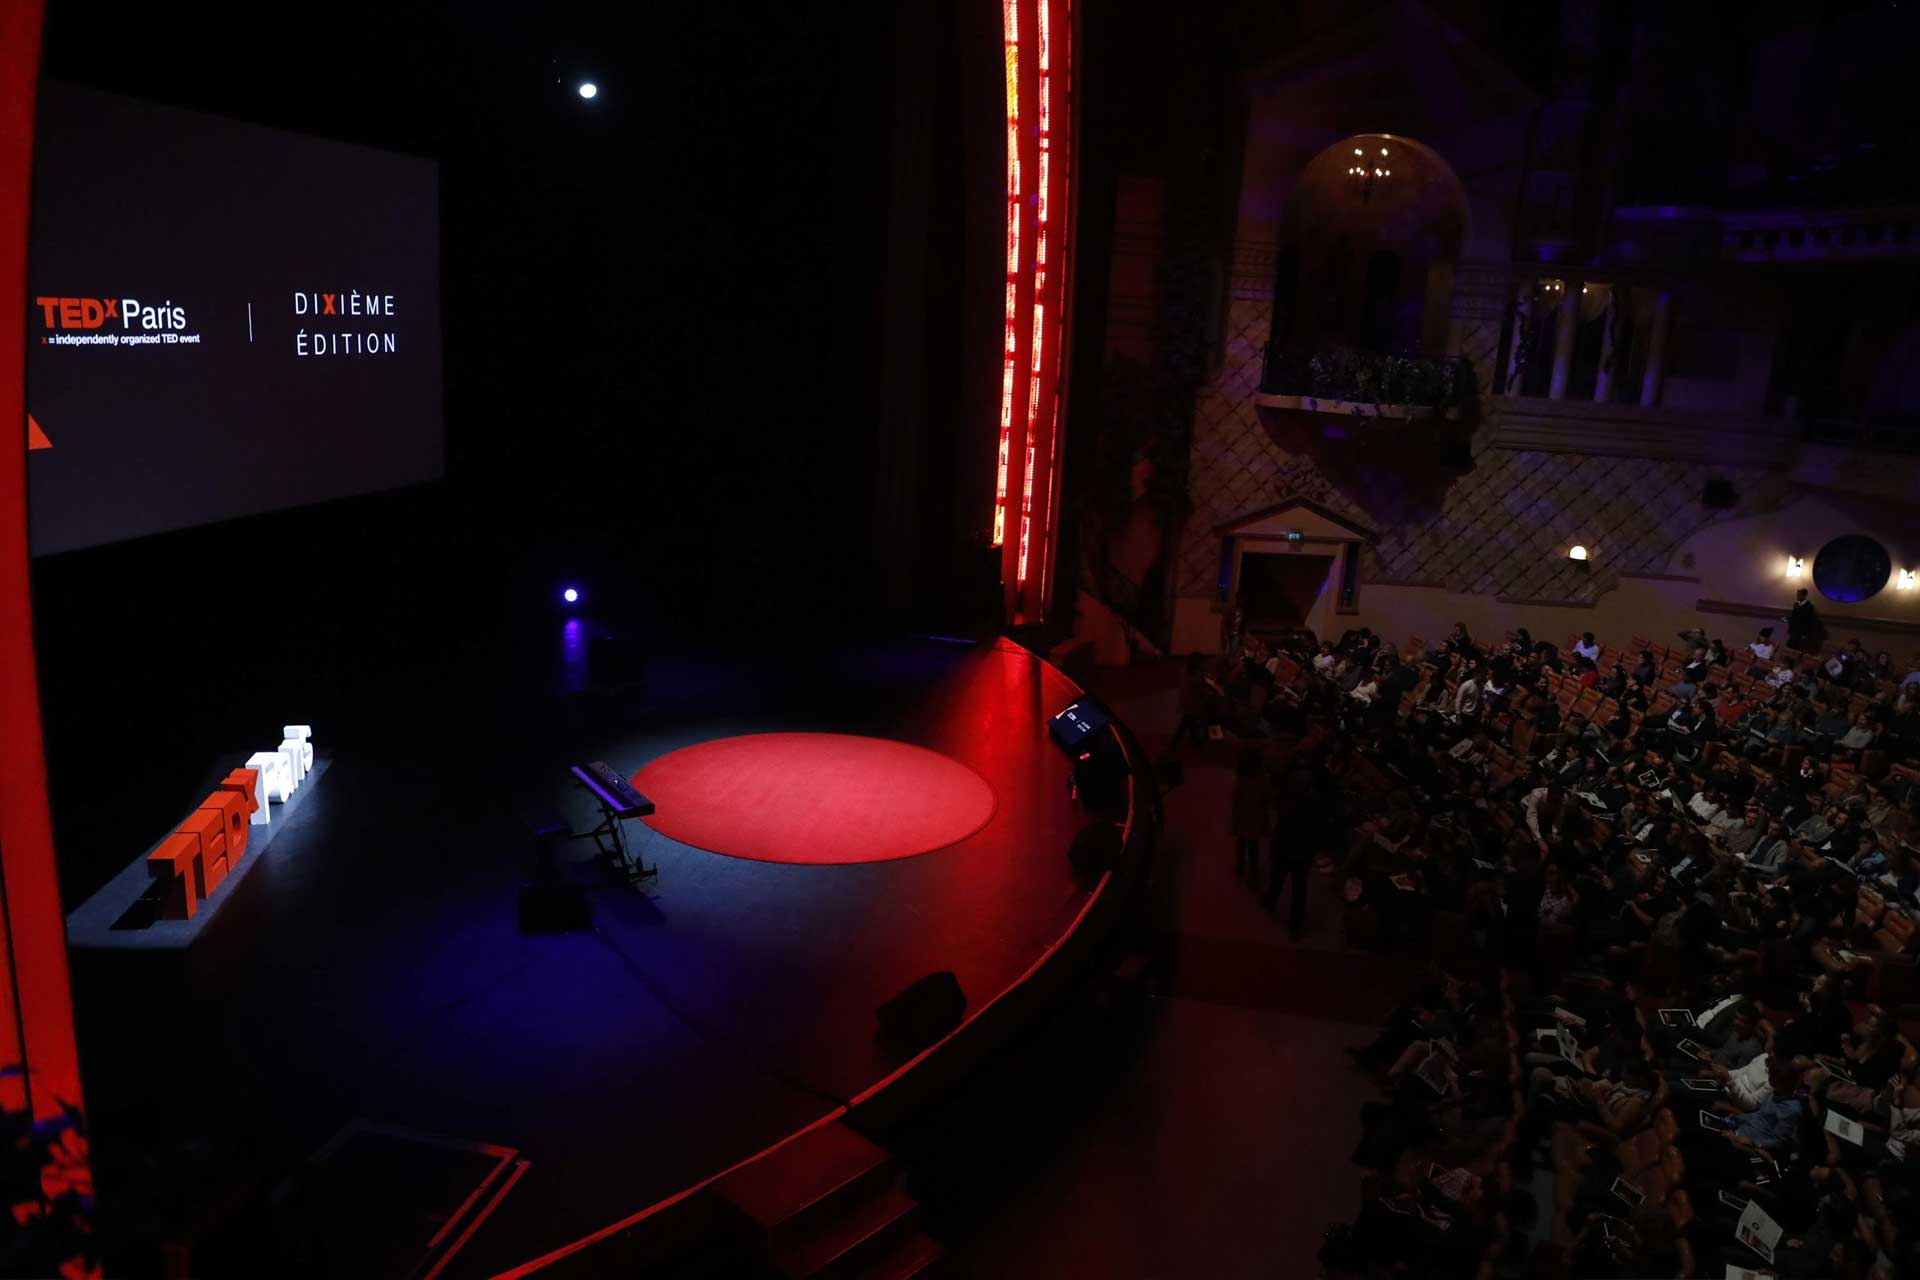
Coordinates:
(371, 969)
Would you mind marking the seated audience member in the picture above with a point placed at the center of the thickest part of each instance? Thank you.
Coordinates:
(1587, 647)
(1699, 665)
(1771, 851)
(1761, 646)
(1817, 827)
(1808, 681)
(1739, 840)
(1615, 683)
(1860, 736)
(1832, 721)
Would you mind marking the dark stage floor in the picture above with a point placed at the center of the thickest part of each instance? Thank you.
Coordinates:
(371, 968)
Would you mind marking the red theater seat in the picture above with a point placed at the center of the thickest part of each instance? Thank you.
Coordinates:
(177, 861)
(208, 829)
(232, 811)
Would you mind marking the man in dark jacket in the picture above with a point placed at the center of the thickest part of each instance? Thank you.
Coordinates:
(1803, 624)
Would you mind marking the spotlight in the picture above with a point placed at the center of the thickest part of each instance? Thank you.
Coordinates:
(588, 89)
(1577, 554)
(571, 595)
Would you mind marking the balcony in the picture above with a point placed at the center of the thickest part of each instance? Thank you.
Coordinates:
(1632, 431)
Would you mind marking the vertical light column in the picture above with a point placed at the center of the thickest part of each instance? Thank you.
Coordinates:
(1010, 353)
(1063, 223)
(1034, 339)
(1036, 361)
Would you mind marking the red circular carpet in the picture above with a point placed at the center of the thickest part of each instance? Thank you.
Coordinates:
(814, 798)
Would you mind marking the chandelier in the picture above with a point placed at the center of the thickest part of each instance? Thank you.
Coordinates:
(1363, 173)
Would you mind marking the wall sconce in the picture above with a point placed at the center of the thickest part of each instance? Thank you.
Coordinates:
(1906, 581)
(1795, 566)
(1578, 555)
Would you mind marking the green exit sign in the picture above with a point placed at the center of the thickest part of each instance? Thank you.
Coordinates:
(1294, 535)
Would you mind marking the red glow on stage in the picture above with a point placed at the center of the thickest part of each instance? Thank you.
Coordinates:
(814, 798)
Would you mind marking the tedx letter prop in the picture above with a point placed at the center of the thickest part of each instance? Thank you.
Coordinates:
(209, 844)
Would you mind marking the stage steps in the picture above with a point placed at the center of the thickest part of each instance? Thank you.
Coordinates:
(917, 1255)
(829, 1205)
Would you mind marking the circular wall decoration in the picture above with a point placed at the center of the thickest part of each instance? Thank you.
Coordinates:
(1851, 567)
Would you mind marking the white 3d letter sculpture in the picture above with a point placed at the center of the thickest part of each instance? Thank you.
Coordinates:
(275, 774)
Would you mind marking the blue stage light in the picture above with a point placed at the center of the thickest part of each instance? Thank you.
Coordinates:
(571, 595)
(588, 89)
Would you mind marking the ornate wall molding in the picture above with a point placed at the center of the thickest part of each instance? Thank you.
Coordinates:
(1251, 273)
(1630, 431)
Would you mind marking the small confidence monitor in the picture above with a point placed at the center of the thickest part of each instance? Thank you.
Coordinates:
(1072, 727)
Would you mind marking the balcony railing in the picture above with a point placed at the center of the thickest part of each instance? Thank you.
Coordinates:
(1897, 435)
(1366, 377)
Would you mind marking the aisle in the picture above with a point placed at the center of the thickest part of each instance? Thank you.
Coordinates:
(1223, 1151)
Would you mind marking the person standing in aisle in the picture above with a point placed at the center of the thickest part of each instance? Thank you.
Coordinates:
(1299, 836)
(1803, 624)
(1252, 813)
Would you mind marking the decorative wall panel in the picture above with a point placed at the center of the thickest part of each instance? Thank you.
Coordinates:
(1501, 527)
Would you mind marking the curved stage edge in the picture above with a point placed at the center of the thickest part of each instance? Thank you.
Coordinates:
(369, 974)
(943, 1065)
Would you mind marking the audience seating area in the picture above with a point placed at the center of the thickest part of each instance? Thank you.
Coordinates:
(1668, 895)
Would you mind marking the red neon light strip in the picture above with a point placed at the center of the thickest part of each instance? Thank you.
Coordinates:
(1035, 363)
(1010, 26)
(632, 1219)
(519, 1169)
(1047, 511)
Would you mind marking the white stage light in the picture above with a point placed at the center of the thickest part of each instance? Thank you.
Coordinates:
(588, 89)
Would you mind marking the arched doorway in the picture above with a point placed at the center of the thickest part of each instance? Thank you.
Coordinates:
(1366, 258)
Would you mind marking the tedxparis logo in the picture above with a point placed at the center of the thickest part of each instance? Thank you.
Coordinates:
(346, 323)
(79, 322)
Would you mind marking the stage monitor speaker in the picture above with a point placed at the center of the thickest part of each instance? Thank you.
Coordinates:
(554, 908)
(921, 1014)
